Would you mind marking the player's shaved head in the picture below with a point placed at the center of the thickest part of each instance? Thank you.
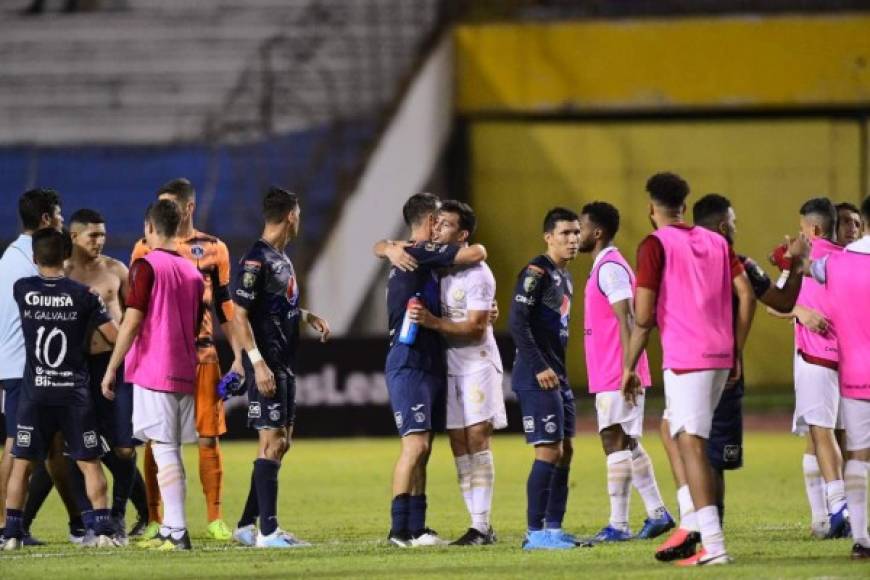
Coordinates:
(419, 207)
(49, 247)
(164, 216)
(822, 213)
(668, 190)
(278, 204)
(85, 217)
(180, 188)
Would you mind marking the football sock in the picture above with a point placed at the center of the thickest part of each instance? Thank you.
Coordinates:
(557, 503)
(643, 477)
(152, 489)
(836, 492)
(463, 475)
(856, 498)
(138, 495)
(102, 522)
(399, 513)
(815, 487)
(711, 530)
(266, 482)
(619, 488)
(173, 484)
(252, 510)
(538, 493)
(14, 524)
(211, 475)
(417, 514)
(123, 473)
(688, 516)
(482, 480)
(37, 491)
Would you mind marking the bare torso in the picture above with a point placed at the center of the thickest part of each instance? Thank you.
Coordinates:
(108, 278)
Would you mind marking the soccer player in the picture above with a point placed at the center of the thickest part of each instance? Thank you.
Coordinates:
(266, 293)
(211, 257)
(37, 209)
(846, 279)
(416, 370)
(684, 285)
(108, 278)
(608, 318)
(57, 317)
(539, 316)
(475, 400)
(725, 445)
(849, 224)
(157, 344)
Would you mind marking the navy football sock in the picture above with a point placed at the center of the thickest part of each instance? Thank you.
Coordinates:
(102, 522)
(558, 502)
(417, 514)
(37, 490)
(266, 481)
(251, 511)
(14, 524)
(538, 493)
(138, 495)
(399, 511)
(123, 473)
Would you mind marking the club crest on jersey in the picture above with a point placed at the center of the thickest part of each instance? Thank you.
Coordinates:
(458, 294)
(197, 251)
(90, 439)
(23, 439)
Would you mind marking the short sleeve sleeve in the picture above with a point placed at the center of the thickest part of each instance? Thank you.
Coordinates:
(141, 282)
(614, 282)
(480, 292)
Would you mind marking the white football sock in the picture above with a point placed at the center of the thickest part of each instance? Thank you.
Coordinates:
(815, 487)
(643, 477)
(172, 482)
(836, 492)
(856, 497)
(463, 475)
(619, 487)
(482, 481)
(688, 516)
(711, 530)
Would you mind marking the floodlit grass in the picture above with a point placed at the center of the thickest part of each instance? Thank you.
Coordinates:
(335, 493)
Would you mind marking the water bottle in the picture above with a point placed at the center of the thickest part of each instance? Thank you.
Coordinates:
(408, 333)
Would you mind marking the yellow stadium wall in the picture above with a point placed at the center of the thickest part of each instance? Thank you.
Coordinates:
(766, 167)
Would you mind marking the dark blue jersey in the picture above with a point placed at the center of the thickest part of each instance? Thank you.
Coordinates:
(58, 316)
(427, 353)
(265, 286)
(539, 316)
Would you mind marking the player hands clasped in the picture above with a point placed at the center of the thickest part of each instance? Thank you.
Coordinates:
(57, 317)
(539, 317)
(608, 320)
(266, 294)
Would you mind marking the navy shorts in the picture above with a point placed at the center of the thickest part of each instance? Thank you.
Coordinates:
(418, 399)
(275, 412)
(38, 423)
(11, 395)
(548, 416)
(115, 418)
(725, 445)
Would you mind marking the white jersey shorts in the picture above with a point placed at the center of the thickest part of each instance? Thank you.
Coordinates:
(164, 417)
(691, 399)
(856, 417)
(816, 397)
(475, 398)
(613, 410)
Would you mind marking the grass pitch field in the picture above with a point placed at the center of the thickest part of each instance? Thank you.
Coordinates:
(335, 493)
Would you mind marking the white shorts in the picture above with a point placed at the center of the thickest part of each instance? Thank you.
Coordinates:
(856, 416)
(691, 398)
(475, 398)
(163, 417)
(816, 397)
(613, 410)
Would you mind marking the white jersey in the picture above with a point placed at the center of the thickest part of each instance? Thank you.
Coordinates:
(464, 289)
(16, 263)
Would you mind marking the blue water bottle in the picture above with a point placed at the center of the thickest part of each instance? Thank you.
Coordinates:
(408, 333)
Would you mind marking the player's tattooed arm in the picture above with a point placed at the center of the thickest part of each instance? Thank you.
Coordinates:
(263, 375)
(394, 251)
(130, 326)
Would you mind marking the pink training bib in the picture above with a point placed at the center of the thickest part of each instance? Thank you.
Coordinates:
(846, 293)
(812, 295)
